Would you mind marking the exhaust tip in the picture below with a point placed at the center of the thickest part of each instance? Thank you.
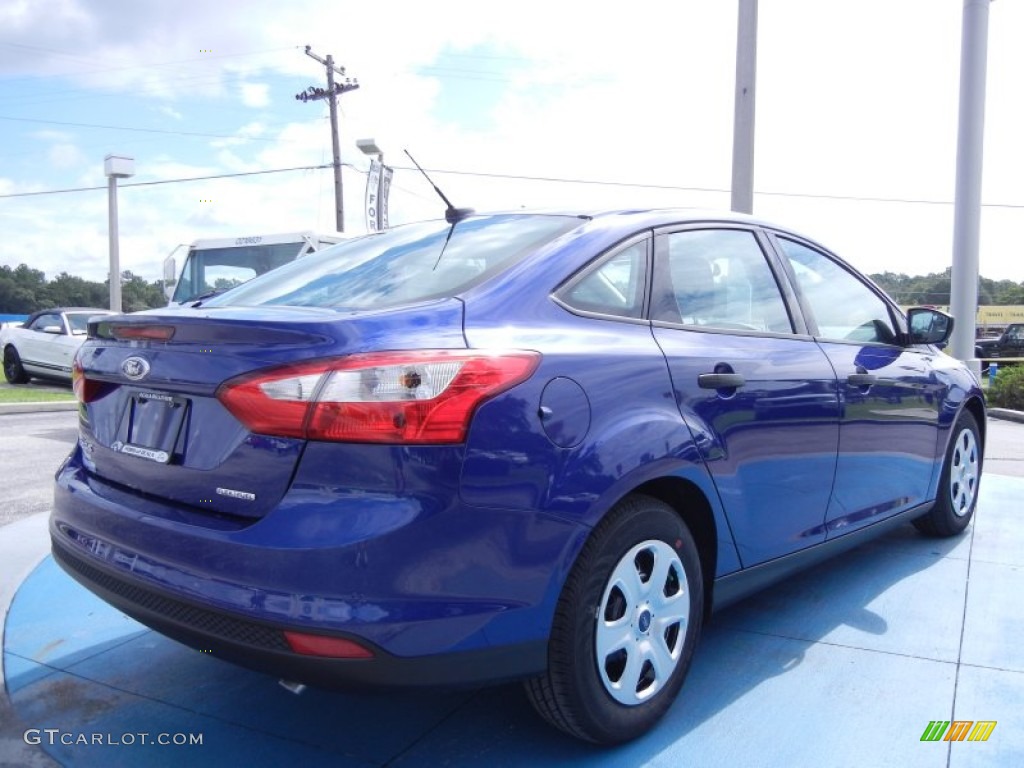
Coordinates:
(292, 687)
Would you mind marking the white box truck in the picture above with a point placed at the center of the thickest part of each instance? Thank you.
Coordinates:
(216, 264)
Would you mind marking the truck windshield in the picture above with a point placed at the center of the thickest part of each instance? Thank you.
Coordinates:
(218, 269)
(407, 264)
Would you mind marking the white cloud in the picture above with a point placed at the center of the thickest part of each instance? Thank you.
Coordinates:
(255, 94)
(65, 156)
(169, 111)
(847, 105)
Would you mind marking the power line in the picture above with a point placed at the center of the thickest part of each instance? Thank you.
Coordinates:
(174, 181)
(521, 177)
(92, 61)
(136, 130)
(676, 188)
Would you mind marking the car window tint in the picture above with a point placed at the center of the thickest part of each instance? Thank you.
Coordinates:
(44, 321)
(718, 278)
(79, 321)
(844, 307)
(407, 264)
(613, 287)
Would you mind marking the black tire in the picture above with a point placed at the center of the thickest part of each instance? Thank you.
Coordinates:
(583, 694)
(14, 371)
(958, 485)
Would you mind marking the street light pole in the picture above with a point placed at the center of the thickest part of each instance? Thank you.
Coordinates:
(115, 167)
(374, 183)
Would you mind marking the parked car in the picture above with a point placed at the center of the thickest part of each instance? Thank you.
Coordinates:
(45, 344)
(1010, 343)
(508, 446)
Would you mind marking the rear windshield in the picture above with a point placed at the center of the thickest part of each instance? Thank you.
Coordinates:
(403, 265)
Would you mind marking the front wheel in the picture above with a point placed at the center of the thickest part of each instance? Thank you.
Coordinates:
(958, 484)
(14, 371)
(626, 626)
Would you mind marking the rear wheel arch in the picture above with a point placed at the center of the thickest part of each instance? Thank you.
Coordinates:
(626, 626)
(689, 502)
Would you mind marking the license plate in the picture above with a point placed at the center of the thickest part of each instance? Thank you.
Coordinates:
(151, 425)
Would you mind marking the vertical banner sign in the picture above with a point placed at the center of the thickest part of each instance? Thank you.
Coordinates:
(372, 190)
(382, 199)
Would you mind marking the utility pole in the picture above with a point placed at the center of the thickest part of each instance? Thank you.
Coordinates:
(331, 93)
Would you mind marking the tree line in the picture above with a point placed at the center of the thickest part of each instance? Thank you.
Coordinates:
(934, 289)
(24, 290)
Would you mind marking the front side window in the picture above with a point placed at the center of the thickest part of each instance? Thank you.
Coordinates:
(844, 307)
(717, 278)
(614, 287)
(48, 324)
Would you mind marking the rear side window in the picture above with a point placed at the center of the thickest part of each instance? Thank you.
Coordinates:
(405, 265)
(614, 287)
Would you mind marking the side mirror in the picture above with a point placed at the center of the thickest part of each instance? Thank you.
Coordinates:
(929, 326)
(56, 330)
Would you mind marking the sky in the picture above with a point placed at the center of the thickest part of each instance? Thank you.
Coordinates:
(508, 105)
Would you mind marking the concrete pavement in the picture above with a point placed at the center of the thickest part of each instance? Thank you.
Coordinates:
(844, 665)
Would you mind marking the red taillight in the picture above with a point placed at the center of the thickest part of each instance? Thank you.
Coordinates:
(85, 390)
(321, 645)
(144, 332)
(386, 397)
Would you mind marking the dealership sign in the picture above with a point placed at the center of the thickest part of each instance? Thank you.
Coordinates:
(378, 184)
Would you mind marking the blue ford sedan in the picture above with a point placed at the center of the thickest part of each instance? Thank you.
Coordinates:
(511, 446)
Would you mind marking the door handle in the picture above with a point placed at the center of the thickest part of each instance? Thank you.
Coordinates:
(861, 379)
(720, 380)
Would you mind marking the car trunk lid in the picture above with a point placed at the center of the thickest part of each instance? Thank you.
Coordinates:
(152, 421)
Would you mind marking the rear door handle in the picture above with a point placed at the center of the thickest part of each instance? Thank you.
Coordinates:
(861, 379)
(720, 380)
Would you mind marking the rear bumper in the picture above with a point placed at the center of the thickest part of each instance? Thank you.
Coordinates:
(262, 646)
(443, 594)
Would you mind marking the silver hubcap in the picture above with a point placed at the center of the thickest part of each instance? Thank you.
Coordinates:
(963, 473)
(641, 625)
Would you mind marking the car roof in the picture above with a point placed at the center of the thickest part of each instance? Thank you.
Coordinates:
(654, 217)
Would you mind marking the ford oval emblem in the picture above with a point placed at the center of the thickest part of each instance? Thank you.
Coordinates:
(135, 368)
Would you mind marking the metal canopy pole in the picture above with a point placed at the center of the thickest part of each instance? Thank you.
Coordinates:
(969, 155)
(743, 109)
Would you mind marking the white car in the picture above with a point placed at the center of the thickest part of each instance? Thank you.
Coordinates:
(45, 344)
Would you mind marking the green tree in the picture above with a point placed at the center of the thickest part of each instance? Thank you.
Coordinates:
(22, 289)
(137, 294)
(70, 291)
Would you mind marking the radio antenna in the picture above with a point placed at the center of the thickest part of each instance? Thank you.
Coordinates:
(452, 214)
